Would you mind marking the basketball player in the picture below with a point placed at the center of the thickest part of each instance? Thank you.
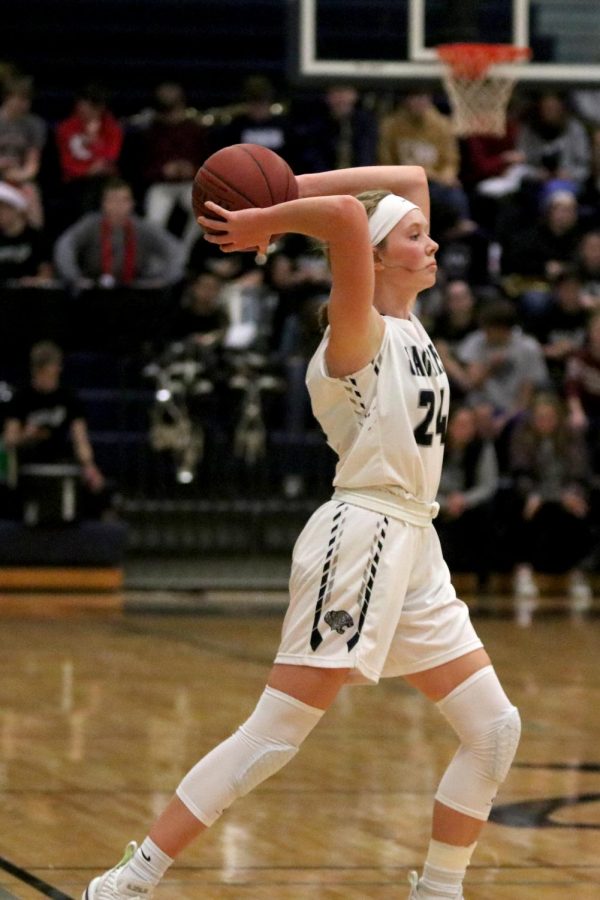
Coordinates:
(370, 592)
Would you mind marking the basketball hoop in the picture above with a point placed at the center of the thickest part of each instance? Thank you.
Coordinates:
(478, 95)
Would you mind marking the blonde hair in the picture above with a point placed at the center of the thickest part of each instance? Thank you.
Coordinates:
(371, 200)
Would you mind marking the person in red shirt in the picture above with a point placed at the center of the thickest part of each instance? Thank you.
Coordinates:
(89, 145)
(492, 169)
(173, 146)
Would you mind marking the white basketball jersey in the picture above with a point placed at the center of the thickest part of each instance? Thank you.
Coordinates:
(387, 422)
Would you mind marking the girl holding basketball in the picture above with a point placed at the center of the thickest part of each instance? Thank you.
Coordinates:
(370, 593)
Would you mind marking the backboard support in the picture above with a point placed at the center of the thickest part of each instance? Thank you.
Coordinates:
(568, 33)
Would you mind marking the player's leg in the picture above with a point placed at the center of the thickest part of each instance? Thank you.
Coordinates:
(469, 695)
(293, 702)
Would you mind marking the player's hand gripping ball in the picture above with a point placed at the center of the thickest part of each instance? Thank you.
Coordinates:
(243, 176)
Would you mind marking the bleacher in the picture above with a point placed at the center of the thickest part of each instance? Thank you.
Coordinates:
(131, 46)
(210, 47)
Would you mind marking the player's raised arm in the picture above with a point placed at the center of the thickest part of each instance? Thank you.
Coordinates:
(407, 181)
(341, 223)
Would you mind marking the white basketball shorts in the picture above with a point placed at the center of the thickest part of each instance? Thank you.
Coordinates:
(371, 593)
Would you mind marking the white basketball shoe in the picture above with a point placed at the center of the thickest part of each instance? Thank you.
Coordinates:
(104, 887)
(413, 880)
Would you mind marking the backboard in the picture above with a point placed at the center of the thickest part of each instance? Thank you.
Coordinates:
(394, 40)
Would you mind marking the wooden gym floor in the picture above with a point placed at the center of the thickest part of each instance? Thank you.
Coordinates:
(104, 708)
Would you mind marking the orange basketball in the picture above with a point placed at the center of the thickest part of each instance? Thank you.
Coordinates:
(243, 176)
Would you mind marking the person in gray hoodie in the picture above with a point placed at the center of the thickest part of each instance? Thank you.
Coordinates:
(115, 248)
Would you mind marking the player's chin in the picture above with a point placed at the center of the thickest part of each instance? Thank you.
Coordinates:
(429, 275)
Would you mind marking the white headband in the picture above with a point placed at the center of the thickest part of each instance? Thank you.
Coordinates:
(389, 212)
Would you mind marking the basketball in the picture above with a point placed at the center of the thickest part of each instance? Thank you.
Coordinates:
(243, 176)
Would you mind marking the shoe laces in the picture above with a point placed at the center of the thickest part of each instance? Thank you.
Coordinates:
(127, 855)
(413, 880)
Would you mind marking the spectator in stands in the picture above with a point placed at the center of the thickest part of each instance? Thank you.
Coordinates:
(194, 349)
(202, 256)
(295, 269)
(115, 248)
(173, 146)
(493, 165)
(337, 133)
(503, 367)
(25, 253)
(586, 103)
(555, 143)
(202, 316)
(550, 467)
(590, 196)
(458, 319)
(464, 253)
(89, 145)
(301, 279)
(22, 139)
(296, 272)
(416, 133)
(45, 423)
(561, 328)
(259, 120)
(582, 387)
(250, 305)
(534, 256)
(587, 260)
(467, 487)
(300, 335)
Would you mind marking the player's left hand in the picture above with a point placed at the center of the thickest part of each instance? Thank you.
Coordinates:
(235, 230)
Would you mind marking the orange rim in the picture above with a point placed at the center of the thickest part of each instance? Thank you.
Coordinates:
(473, 60)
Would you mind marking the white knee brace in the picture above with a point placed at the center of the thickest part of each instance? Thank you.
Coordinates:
(259, 748)
(489, 728)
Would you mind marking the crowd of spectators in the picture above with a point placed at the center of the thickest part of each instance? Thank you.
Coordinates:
(100, 202)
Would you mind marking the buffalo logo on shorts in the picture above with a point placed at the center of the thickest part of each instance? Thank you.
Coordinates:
(339, 621)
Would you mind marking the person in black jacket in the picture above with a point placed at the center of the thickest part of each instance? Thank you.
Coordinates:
(337, 131)
(45, 424)
(468, 485)
(550, 466)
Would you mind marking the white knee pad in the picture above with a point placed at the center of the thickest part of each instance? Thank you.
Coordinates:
(259, 748)
(489, 728)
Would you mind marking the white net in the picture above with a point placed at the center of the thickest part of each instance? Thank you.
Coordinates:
(478, 105)
(478, 93)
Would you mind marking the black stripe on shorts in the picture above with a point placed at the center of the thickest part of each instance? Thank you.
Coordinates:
(369, 576)
(328, 574)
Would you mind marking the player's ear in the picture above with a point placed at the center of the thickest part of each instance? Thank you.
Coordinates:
(377, 260)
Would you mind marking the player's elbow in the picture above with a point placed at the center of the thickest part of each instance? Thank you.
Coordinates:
(418, 177)
(346, 212)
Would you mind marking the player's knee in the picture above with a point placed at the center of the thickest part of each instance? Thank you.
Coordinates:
(485, 720)
(499, 747)
(267, 759)
(489, 728)
(268, 740)
(274, 731)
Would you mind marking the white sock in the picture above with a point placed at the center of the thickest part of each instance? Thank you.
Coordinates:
(444, 870)
(148, 864)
